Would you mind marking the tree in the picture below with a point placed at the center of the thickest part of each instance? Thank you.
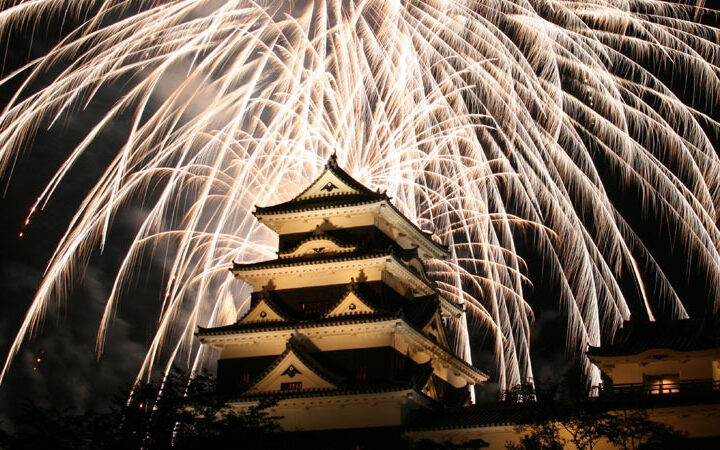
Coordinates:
(182, 412)
(427, 444)
(564, 408)
(632, 429)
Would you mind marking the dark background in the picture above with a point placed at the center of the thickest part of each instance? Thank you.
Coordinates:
(68, 373)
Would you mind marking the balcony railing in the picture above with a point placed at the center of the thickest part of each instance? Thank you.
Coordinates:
(705, 388)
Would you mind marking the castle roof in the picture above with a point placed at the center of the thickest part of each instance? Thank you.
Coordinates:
(395, 322)
(334, 189)
(477, 416)
(393, 259)
(636, 337)
(321, 258)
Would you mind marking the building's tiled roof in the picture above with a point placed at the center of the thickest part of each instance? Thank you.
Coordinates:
(420, 311)
(416, 313)
(348, 385)
(365, 195)
(319, 323)
(370, 388)
(636, 337)
(313, 323)
(482, 415)
(310, 260)
(316, 203)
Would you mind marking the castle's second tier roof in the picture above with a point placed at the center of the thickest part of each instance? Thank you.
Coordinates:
(312, 260)
(397, 323)
(392, 259)
(238, 328)
(636, 337)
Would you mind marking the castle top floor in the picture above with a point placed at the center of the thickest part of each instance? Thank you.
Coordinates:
(339, 208)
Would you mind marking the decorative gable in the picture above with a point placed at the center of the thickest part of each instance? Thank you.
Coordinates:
(291, 373)
(349, 305)
(320, 244)
(327, 184)
(263, 311)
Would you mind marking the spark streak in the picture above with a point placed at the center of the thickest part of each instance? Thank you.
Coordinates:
(483, 119)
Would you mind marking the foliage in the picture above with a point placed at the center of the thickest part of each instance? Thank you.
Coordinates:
(427, 444)
(564, 409)
(588, 424)
(544, 436)
(182, 412)
(633, 429)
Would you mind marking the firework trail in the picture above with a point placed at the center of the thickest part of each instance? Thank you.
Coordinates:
(485, 120)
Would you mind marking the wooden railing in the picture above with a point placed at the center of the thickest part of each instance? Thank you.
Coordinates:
(683, 388)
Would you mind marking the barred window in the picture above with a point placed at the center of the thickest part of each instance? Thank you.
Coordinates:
(316, 308)
(294, 386)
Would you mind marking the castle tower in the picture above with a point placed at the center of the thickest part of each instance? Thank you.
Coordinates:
(345, 329)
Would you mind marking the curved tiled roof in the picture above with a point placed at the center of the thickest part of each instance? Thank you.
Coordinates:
(482, 415)
(365, 389)
(316, 203)
(636, 337)
(364, 197)
(343, 320)
(397, 255)
(321, 201)
(415, 383)
(290, 262)
(277, 326)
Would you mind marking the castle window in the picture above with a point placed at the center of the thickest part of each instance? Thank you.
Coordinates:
(361, 372)
(294, 386)
(245, 378)
(316, 308)
(662, 384)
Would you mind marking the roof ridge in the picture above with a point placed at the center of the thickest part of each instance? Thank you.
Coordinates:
(277, 262)
(312, 323)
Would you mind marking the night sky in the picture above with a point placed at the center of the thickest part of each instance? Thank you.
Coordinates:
(68, 373)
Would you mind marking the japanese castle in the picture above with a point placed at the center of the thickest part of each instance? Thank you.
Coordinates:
(345, 330)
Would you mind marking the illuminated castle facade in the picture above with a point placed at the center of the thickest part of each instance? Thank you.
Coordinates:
(344, 330)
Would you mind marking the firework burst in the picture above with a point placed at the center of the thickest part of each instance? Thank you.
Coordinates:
(485, 120)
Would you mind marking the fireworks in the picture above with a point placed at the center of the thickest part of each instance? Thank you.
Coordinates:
(484, 120)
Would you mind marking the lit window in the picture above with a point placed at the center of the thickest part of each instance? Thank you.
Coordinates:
(245, 378)
(361, 372)
(662, 384)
